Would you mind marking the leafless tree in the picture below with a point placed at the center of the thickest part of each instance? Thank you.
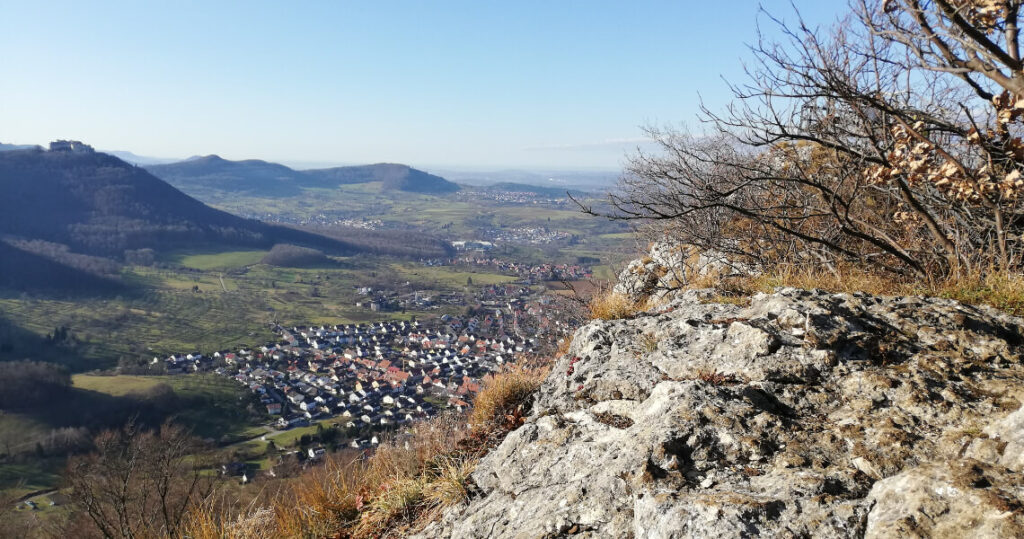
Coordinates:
(892, 140)
(138, 483)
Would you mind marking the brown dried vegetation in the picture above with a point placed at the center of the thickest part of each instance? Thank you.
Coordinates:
(394, 490)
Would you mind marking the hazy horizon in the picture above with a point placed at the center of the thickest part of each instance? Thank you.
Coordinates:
(532, 86)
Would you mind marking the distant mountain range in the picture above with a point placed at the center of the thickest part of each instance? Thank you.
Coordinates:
(200, 174)
(96, 204)
(10, 147)
(141, 160)
(263, 178)
(70, 218)
(254, 177)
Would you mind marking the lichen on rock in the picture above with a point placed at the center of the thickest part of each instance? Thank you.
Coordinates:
(803, 414)
(669, 266)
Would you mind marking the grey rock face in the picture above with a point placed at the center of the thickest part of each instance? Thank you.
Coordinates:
(804, 414)
(958, 498)
(663, 269)
(669, 266)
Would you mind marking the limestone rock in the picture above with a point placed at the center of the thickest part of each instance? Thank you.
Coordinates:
(804, 414)
(668, 266)
(662, 269)
(961, 498)
(1008, 434)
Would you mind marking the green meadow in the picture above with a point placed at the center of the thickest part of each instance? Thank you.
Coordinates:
(226, 260)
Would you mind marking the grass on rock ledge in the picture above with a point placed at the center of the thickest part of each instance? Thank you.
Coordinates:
(1000, 290)
(395, 490)
(612, 305)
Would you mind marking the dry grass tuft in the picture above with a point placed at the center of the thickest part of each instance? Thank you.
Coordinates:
(649, 342)
(205, 524)
(213, 519)
(997, 289)
(449, 485)
(407, 481)
(844, 279)
(994, 288)
(322, 500)
(613, 306)
(1002, 291)
(397, 504)
(504, 395)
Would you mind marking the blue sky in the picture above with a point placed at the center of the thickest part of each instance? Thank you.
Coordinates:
(525, 84)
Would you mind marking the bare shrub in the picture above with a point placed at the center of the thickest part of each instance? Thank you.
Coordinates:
(138, 483)
(890, 141)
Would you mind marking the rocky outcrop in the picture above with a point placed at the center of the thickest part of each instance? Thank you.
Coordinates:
(668, 267)
(803, 414)
(663, 269)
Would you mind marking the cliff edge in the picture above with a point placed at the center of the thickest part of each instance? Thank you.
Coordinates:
(805, 413)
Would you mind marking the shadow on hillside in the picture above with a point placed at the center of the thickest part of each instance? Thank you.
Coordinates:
(213, 414)
(18, 343)
(88, 412)
(23, 272)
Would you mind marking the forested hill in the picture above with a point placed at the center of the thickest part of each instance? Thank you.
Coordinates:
(264, 179)
(394, 177)
(96, 204)
(249, 177)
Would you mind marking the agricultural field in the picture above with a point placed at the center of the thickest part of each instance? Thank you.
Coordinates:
(28, 476)
(171, 318)
(18, 434)
(443, 215)
(216, 405)
(225, 260)
(216, 299)
(447, 276)
(213, 301)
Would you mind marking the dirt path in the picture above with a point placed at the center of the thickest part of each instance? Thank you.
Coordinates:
(35, 494)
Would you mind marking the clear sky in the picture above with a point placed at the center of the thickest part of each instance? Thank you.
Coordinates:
(561, 84)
